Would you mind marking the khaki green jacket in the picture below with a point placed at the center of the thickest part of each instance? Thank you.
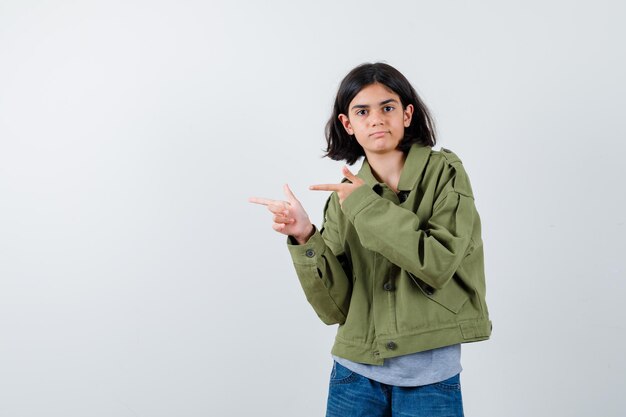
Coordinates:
(400, 273)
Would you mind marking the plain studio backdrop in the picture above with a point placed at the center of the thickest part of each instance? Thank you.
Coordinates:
(137, 280)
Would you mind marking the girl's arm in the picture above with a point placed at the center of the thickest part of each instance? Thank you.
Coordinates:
(317, 256)
(432, 253)
(323, 269)
(431, 249)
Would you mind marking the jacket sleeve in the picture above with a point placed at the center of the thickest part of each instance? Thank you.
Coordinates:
(432, 252)
(321, 267)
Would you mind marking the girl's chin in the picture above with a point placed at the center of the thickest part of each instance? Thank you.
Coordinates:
(380, 146)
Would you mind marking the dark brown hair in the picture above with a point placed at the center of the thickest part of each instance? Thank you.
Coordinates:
(342, 146)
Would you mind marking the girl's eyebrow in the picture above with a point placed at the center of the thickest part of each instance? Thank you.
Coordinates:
(382, 103)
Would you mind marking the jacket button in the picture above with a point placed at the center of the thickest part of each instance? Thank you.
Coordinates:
(388, 286)
(309, 253)
(391, 345)
(429, 290)
(402, 196)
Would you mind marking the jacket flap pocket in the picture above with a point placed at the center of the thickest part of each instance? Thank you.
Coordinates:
(452, 296)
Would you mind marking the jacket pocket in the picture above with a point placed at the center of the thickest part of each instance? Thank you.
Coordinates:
(452, 296)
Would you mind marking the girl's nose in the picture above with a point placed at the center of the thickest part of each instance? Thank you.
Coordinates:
(376, 119)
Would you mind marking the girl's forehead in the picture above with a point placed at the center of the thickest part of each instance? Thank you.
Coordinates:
(374, 92)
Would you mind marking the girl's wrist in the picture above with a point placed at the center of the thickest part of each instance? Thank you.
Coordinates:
(302, 239)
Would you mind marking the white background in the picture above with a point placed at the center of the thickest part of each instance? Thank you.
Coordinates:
(136, 279)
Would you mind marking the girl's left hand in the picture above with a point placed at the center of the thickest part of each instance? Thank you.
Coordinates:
(343, 189)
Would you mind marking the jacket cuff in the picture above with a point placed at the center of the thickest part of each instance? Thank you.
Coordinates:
(358, 200)
(308, 253)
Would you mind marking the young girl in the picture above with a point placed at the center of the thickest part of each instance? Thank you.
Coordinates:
(398, 261)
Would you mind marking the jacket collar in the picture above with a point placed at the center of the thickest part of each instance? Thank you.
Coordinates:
(414, 166)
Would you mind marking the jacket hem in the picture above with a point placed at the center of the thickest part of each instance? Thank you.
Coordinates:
(390, 346)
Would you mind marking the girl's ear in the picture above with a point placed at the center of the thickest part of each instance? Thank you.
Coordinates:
(346, 124)
(408, 115)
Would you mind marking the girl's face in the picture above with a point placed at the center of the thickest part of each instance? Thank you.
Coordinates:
(376, 118)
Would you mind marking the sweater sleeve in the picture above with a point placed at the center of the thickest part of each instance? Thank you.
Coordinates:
(323, 270)
(431, 252)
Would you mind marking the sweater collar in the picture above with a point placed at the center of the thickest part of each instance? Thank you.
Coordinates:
(411, 172)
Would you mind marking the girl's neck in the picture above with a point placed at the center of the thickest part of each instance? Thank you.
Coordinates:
(387, 167)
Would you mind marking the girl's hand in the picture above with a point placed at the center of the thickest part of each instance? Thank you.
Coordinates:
(290, 218)
(343, 189)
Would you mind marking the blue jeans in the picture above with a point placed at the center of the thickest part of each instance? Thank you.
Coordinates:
(353, 395)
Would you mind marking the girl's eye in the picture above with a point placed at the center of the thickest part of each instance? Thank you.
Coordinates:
(388, 108)
(361, 112)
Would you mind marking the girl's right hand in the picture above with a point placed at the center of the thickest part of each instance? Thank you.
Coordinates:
(290, 218)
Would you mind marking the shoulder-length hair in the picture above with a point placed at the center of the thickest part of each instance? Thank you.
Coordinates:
(342, 146)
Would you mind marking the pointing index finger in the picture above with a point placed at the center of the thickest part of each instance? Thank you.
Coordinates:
(269, 202)
(325, 187)
(258, 200)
